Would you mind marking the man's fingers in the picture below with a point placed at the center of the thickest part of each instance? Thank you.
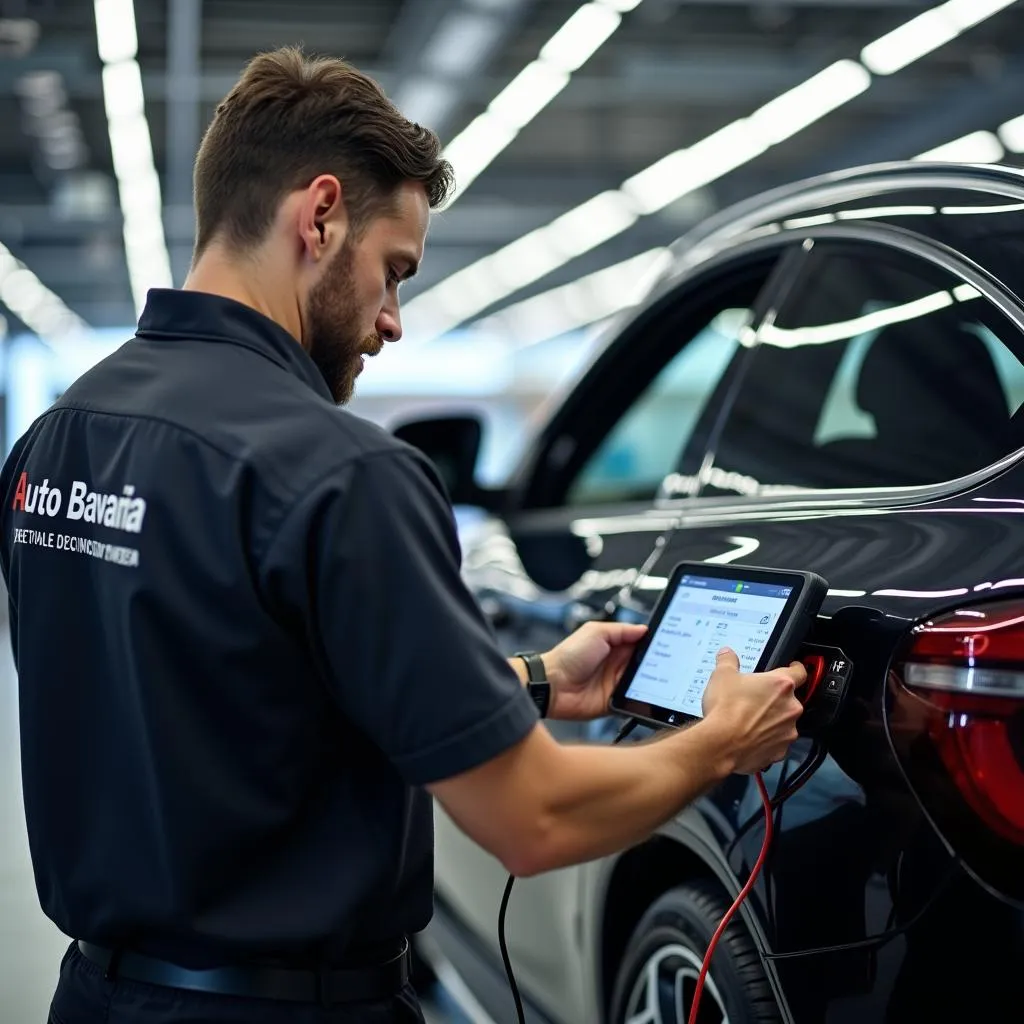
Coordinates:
(618, 633)
(727, 658)
(798, 672)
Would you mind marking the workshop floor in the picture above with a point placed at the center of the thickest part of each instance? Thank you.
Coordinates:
(30, 946)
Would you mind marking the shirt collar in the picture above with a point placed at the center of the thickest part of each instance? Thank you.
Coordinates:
(172, 314)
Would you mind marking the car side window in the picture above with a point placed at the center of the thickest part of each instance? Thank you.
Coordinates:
(880, 370)
(646, 443)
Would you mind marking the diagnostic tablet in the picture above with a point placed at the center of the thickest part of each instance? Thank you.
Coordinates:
(762, 614)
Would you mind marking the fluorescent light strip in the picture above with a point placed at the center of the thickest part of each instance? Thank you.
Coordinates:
(1011, 135)
(487, 136)
(609, 291)
(473, 289)
(976, 148)
(926, 33)
(584, 302)
(138, 184)
(40, 309)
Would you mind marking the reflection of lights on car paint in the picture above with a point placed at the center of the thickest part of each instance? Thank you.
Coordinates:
(867, 213)
(643, 523)
(744, 546)
(823, 334)
(959, 592)
(961, 211)
(813, 221)
(652, 583)
(1007, 583)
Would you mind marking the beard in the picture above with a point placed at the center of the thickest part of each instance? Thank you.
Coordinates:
(336, 341)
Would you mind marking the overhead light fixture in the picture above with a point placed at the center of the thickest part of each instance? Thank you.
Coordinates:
(122, 91)
(976, 148)
(40, 309)
(927, 32)
(810, 101)
(131, 150)
(685, 170)
(477, 147)
(528, 94)
(588, 225)
(1011, 135)
(587, 301)
(580, 37)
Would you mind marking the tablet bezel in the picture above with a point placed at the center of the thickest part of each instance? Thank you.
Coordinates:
(661, 717)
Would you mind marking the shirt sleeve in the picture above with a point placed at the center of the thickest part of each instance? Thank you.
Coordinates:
(368, 566)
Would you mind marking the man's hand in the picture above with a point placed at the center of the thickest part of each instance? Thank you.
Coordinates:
(756, 713)
(584, 668)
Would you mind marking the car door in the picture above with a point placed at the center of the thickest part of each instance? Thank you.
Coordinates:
(643, 413)
(857, 447)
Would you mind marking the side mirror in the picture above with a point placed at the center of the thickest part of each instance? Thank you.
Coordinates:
(452, 443)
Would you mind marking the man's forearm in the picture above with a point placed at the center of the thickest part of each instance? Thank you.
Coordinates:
(606, 799)
(550, 805)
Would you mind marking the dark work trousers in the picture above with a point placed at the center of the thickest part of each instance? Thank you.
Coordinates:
(84, 996)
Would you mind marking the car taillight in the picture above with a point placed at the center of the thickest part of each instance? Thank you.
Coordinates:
(957, 724)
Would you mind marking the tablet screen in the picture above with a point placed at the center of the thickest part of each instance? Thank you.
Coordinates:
(704, 615)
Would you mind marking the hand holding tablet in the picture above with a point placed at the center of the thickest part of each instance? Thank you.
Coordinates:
(762, 615)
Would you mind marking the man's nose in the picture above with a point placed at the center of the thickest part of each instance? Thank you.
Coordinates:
(389, 325)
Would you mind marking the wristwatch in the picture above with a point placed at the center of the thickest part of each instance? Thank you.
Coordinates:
(537, 686)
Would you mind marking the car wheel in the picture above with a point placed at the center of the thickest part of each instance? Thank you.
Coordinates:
(658, 974)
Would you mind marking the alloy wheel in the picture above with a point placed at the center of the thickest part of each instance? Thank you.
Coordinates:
(664, 989)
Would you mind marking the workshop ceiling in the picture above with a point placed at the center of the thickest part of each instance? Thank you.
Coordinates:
(674, 72)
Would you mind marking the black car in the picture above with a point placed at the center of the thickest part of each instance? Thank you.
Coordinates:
(829, 377)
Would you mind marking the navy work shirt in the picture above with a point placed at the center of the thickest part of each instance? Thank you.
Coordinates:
(242, 641)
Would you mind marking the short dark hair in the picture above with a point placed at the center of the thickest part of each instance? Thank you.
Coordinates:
(291, 117)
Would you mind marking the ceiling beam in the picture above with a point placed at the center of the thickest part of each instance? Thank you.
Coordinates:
(184, 112)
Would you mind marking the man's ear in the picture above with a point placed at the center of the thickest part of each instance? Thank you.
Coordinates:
(323, 219)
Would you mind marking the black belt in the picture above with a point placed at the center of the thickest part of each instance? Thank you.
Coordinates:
(326, 986)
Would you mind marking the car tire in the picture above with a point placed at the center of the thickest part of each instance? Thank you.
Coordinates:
(670, 941)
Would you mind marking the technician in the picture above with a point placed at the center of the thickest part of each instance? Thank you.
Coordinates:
(246, 655)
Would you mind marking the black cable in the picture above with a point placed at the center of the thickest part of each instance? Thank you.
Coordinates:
(875, 940)
(800, 778)
(628, 726)
(504, 950)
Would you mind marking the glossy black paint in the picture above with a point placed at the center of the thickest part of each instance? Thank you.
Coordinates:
(864, 912)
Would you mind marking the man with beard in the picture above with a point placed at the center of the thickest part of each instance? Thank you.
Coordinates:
(246, 655)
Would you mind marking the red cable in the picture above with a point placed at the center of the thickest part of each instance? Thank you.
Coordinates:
(744, 892)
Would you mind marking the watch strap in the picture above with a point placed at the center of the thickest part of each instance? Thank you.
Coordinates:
(537, 686)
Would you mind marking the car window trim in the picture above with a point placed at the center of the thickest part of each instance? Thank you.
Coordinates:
(836, 189)
(522, 480)
(947, 259)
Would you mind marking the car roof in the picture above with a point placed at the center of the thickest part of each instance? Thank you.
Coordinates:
(831, 190)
